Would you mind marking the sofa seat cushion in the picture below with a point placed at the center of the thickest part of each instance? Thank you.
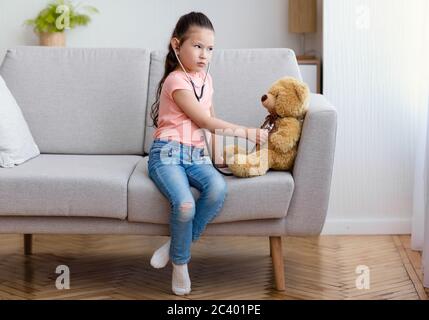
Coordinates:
(264, 197)
(68, 185)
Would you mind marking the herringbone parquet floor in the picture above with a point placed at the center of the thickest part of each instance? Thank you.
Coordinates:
(117, 267)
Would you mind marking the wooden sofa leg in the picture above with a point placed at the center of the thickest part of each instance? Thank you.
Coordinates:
(28, 244)
(277, 257)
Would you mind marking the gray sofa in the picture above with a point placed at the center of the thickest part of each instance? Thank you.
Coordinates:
(88, 110)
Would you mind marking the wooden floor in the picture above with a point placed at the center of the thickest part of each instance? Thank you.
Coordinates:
(117, 267)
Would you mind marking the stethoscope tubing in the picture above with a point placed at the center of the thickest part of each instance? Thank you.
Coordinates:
(199, 97)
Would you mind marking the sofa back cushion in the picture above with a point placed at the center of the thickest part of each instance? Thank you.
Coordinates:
(81, 100)
(240, 78)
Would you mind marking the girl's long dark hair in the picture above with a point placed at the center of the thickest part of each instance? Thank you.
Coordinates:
(185, 22)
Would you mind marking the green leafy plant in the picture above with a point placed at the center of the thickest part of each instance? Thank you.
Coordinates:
(60, 15)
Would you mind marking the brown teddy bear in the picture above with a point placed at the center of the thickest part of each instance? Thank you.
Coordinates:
(287, 102)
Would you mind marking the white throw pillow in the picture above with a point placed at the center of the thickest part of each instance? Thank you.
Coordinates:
(16, 142)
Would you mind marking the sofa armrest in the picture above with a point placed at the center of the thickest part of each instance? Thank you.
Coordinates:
(312, 171)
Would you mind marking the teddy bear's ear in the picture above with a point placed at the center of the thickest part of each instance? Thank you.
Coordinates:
(301, 90)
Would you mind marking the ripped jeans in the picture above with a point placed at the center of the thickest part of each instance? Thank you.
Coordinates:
(174, 167)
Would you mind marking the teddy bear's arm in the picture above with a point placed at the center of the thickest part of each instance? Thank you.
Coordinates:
(282, 141)
(286, 137)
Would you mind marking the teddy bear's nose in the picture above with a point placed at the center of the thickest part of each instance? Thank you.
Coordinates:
(264, 97)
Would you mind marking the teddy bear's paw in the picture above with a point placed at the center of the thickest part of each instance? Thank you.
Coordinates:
(239, 170)
(241, 159)
(259, 170)
(258, 158)
(235, 155)
(254, 172)
(246, 170)
(253, 160)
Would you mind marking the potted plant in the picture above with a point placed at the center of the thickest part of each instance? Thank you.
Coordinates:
(58, 16)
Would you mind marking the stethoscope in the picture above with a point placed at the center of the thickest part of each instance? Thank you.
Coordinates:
(199, 97)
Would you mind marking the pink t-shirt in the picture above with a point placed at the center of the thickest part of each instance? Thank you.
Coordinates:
(172, 121)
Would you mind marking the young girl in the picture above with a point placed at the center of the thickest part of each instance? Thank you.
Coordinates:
(183, 108)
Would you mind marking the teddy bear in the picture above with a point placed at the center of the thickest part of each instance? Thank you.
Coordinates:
(286, 102)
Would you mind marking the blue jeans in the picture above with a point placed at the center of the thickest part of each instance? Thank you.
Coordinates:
(174, 167)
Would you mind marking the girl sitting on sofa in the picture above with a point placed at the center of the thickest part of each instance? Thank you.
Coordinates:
(182, 110)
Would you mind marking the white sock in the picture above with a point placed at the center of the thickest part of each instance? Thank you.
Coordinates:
(181, 283)
(161, 256)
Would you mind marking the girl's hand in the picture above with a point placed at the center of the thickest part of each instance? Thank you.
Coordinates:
(256, 135)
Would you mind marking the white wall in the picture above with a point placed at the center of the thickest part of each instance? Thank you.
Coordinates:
(374, 73)
(149, 23)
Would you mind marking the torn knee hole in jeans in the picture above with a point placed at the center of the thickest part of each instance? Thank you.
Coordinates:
(186, 211)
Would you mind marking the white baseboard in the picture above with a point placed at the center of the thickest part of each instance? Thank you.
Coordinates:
(367, 226)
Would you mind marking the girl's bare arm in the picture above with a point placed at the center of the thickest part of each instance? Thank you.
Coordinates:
(185, 99)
